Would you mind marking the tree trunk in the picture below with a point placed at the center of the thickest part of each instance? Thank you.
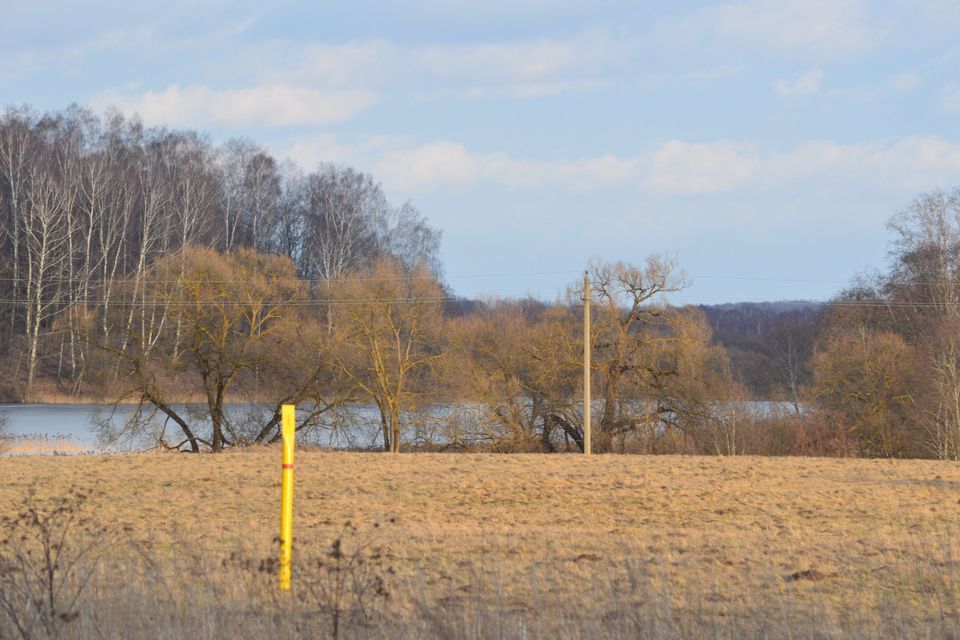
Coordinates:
(387, 441)
(395, 432)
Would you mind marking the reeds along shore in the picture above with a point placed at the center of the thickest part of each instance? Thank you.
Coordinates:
(483, 546)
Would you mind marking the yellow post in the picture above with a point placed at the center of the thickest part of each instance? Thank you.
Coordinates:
(289, 427)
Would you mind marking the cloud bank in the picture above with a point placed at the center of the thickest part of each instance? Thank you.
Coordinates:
(278, 105)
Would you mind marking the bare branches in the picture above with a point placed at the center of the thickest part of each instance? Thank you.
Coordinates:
(387, 339)
(89, 204)
(653, 365)
(888, 374)
(49, 550)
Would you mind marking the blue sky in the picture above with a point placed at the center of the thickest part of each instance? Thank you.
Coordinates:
(764, 144)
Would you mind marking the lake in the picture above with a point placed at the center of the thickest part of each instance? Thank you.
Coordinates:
(50, 428)
(72, 428)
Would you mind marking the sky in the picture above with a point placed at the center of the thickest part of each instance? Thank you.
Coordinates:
(762, 144)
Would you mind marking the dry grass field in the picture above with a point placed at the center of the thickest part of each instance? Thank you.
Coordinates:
(512, 545)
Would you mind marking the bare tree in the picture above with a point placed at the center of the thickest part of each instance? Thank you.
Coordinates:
(943, 409)
(44, 240)
(250, 195)
(656, 374)
(88, 204)
(17, 149)
(491, 372)
(792, 346)
(412, 240)
(345, 218)
(654, 370)
(348, 224)
(864, 380)
(388, 329)
(924, 284)
(263, 191)
(230, 309)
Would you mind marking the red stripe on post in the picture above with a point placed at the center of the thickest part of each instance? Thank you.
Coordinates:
(288, 466)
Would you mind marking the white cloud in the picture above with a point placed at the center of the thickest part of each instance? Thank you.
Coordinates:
(671, 167)
(817, 28)
(806, 84)
(912, 163)
(347, 63)
(438, 163)
(270, 106)
(904, 82)
(520, 69)
(916, 163)
(524, 60)
(447, 163)
(706, 75)
(522, 91)
(531, 90)
(693, 168)
(684, 49)
(312, 150)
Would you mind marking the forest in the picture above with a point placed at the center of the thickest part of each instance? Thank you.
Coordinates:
(151, 267)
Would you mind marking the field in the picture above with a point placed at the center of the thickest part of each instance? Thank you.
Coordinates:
(462, 545)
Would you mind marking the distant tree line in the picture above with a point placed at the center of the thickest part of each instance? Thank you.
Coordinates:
(769, 344)
(150, 267)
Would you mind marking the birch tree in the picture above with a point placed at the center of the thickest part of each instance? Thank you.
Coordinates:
(17, 150)
(42, 221)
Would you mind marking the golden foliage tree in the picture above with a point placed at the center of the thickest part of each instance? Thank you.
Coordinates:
(492, 374)
(386, 336)
(654, 369)
(208, 327)
(864, 379)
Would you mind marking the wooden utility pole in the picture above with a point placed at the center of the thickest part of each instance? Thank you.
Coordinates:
(586, 364)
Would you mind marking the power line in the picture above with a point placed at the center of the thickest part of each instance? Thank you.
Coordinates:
(518, 274)
(770, 279)
(838, 303)
(98, 286)
(930, 283)
(251, 303)
(295, 279)
(320, 302)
